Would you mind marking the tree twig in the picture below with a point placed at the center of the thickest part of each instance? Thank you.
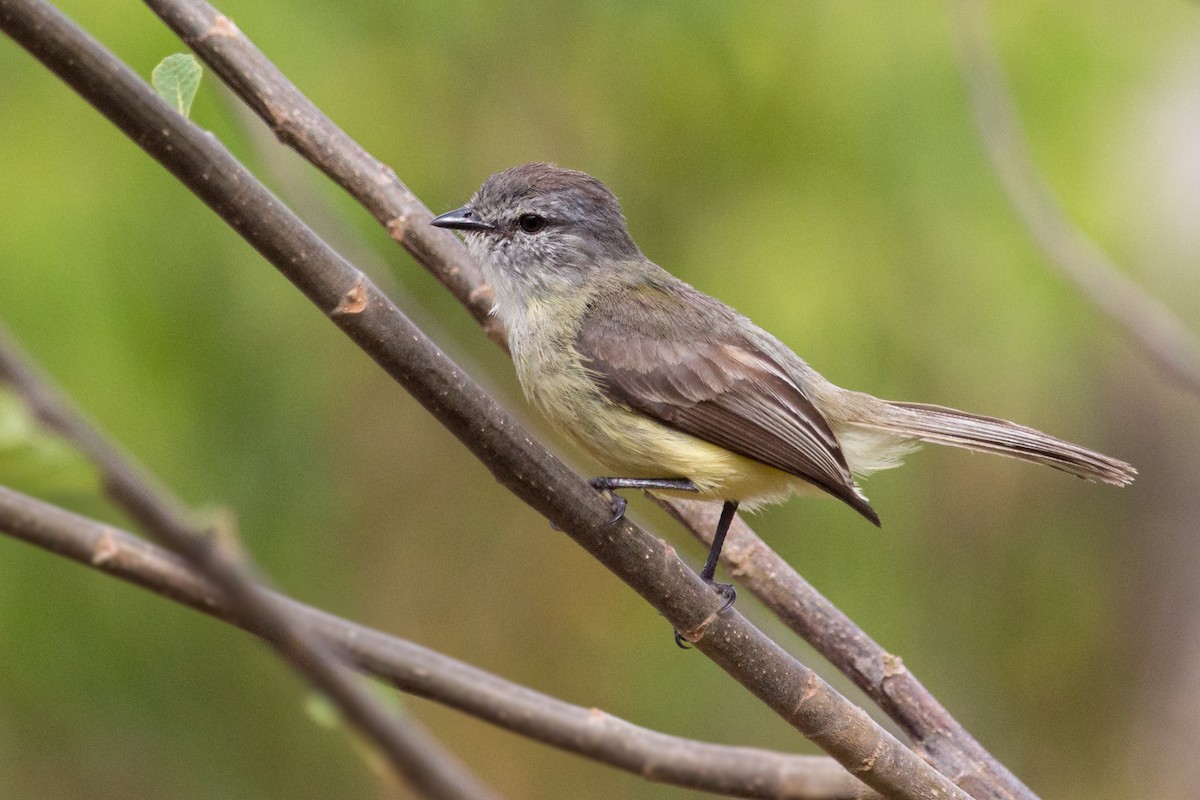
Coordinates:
(881, 675)
(302, 126)
(737, 771)
(734, 771)
(297, 122)
(357, 307)
(1145, 320)
(436, 773)
(428, 768)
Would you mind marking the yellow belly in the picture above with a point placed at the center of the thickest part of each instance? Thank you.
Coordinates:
(627, 443)
(632, 445)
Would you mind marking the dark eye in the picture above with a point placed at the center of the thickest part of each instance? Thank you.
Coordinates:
(531, 223)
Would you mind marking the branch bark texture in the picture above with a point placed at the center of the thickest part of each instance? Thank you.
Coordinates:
(284, 108)
(734, 771)
(364, 314)
(429, 768)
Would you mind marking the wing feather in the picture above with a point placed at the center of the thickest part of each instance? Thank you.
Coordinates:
(711, 382)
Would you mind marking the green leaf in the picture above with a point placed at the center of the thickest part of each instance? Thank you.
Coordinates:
(38, 461)
(176, 79)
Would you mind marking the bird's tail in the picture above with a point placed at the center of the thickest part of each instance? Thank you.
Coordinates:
(940, 425)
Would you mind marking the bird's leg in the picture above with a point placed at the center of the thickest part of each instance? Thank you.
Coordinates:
(714, 553)
(710, 566)
(610, 485)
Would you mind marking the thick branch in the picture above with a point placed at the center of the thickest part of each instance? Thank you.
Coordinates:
(358, 308)
(735, 771)
(1149, 323)
(262, 86)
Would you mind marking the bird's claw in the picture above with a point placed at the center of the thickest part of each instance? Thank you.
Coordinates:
(618, 502)
(726, 591)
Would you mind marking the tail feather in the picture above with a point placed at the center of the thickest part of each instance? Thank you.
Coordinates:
(940, 425)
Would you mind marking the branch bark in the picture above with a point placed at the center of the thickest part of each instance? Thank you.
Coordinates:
(301, 125)
(430, 769)
(734, 771)
(1148, 323)
(937, 735)
(357, 307)
(416, 758)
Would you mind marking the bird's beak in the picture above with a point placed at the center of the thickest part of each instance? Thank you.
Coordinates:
(462, 219)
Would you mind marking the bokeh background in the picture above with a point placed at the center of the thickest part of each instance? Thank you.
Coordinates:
(813, 164)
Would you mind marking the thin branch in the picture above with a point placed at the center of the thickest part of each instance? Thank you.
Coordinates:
(152, 506)
(298, 123)
(263, 87)
(367, 317)
(429, 769)
(734, 771)
(1149, 323)
(881, 675)
(741, 772)
(436, 771)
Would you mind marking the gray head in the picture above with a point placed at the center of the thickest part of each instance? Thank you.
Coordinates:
(537, 225)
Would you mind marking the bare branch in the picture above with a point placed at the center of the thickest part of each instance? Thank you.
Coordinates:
(262, 86)
(881, 675)
(433, 770)
(417, 758)
(1149, 323)
(365, 315)
(298, 123)
(735, 771)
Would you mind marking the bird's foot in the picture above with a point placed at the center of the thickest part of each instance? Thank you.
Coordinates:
(726, 591)
(603, 486)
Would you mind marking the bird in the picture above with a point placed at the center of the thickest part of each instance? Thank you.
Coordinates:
(676, 392)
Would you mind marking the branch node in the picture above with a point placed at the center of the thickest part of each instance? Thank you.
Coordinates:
(106, 549)
(697, 633)
(893, 666)
(868, 763)
(354, 301)
(222, 26)
(397, 227)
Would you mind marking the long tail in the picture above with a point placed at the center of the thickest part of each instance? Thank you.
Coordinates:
(990, 435)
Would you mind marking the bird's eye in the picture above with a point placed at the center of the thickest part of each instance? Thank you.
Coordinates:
(531, 223)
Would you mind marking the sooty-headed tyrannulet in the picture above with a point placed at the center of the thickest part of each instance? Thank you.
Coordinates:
(674, 390)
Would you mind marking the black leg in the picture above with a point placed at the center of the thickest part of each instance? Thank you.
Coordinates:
(714, 552)
(710, 566)
(610, 485)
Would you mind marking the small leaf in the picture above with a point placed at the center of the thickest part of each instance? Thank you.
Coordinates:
(37, 460)
(176, 79)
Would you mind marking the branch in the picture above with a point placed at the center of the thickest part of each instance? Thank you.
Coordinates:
(882, 676)
(298, 123)
(735, 771)
(1149, 323)
(368, 318)
(430, 768)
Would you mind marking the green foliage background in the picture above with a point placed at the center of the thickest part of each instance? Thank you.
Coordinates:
(815, 165)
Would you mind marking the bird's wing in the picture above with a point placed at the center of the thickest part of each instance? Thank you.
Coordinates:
(652, 352)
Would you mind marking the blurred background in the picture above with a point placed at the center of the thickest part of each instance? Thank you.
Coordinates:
(815, 165)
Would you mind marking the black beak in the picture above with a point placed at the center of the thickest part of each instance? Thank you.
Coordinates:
(462, 219)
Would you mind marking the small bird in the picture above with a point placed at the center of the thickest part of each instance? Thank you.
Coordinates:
(675, 391)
